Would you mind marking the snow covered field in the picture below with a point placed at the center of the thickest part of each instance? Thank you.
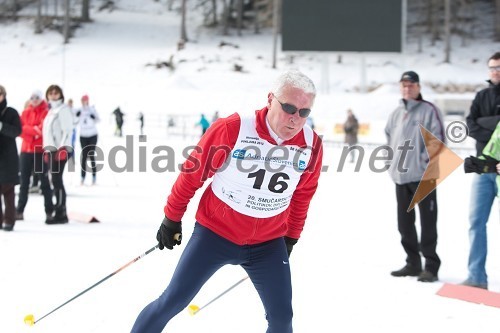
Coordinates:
(341, 265)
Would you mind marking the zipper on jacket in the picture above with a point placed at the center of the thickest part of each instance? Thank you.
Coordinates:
(256, 222)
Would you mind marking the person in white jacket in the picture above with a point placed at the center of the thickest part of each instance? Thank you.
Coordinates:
(57, 129)
(87, 117)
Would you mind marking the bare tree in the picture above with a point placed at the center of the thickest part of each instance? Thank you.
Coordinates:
(263, 13)
(12, 8)
(214, 12)
(85, 11)
(497, 20)
(434, 10)
(239, 16)
(258, 8)
(38, 20)
(209, 8)
(66, 27)
(464, 18)
(183, 21)
(428, 6)
(225, 18)
(170, 4)
(447, 34)
(276, 28)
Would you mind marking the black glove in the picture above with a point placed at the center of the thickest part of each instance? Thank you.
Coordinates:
(92, 116)
(78, 113)
(290, 242)
(169, 234)
(478, 165)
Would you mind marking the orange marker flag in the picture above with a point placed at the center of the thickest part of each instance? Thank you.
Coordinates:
(442, 162)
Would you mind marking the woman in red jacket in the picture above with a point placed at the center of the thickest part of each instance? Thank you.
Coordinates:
(265, 170)
(31, 158)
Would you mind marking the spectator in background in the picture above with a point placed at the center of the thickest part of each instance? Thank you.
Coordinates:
(10, 128)
(402, 129)
(215, 116)
(141, 120)
(31, 158)
(351, 127)
(203, 123)
(119, 121)
(171, 122)
(87, 118)
(481, 121)
(57, 129)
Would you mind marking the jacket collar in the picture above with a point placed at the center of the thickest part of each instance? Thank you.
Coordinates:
(493, 86)
(409, 104)
(55, 104)
(40, 107)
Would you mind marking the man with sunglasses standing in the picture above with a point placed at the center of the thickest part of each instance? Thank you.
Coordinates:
(409, 169)
(31, 158)
(265, 170)
(481, 121)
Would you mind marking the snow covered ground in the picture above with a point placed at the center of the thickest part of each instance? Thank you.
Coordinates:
(350, 244)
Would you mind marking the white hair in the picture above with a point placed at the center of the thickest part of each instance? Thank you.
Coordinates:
(296, 79)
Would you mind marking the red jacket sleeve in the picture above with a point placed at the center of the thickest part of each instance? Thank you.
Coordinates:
(28, 128)
(305, 190)
(31, 130)
(207, 156)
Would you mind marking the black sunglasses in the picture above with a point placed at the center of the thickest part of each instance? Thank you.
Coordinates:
(292, 109)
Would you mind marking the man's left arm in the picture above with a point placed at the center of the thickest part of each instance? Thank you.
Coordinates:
(66, 122)
(94, 115)
(435, 125)
(304, 192)
(489, 162)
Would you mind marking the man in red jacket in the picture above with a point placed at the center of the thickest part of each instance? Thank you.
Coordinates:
(31, 158)
(265, 172)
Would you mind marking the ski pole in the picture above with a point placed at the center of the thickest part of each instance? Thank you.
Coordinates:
(194, 309)
(30, 319)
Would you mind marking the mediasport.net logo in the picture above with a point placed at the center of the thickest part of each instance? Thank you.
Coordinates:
(137, 156)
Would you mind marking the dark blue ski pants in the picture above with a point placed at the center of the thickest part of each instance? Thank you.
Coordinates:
(266, 264)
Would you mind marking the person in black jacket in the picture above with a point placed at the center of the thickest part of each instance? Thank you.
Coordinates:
(10, 128)
(481, 121)
(119, 121)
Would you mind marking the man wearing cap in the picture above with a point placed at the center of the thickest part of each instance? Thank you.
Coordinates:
(408, 164)
(10, 128)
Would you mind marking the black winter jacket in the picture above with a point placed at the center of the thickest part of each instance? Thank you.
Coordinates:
(484, 115)
(9, 159)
